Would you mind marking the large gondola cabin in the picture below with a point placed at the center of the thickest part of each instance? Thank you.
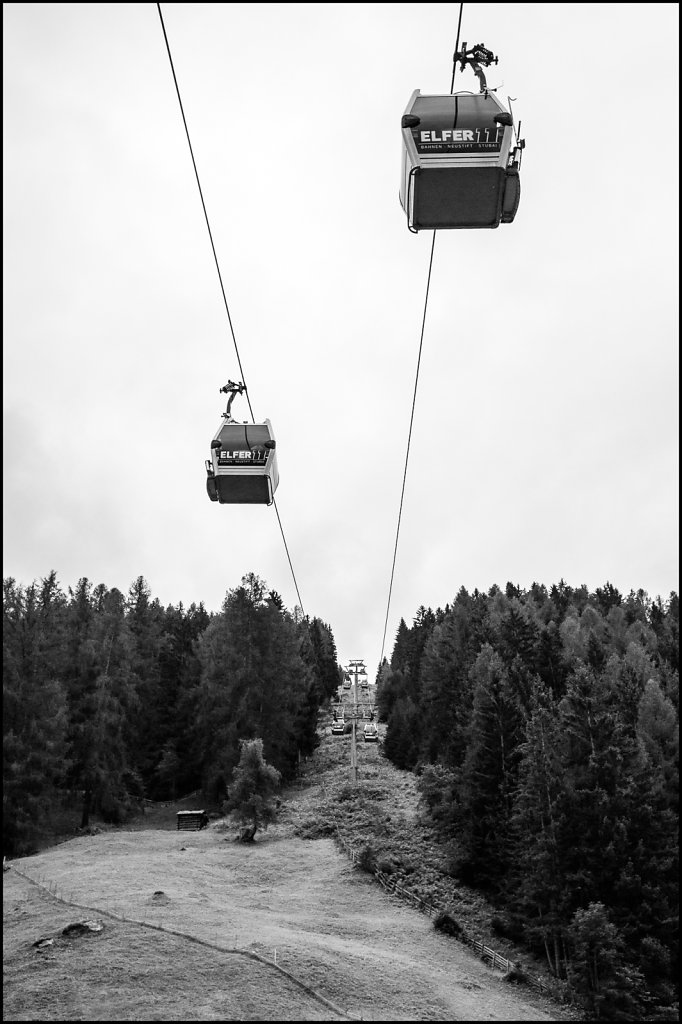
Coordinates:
(460, 166)
(242, 469)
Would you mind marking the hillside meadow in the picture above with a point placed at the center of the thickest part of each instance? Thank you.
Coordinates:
(195, 926)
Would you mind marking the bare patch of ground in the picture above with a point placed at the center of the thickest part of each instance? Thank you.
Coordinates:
(198, 927)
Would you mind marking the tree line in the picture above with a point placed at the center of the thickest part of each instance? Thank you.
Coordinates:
(110, 698)
(544, 728)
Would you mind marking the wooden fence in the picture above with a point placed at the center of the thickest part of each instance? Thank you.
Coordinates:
(390, 885)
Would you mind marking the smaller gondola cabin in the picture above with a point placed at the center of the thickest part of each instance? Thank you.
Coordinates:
(242, 469)
(459, 168)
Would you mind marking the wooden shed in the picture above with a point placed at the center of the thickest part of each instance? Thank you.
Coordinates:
(192, 821)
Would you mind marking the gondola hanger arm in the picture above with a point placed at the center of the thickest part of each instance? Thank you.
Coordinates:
(476, 56)
(231, 389)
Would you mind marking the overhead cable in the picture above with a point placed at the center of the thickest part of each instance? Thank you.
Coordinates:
(220, 278)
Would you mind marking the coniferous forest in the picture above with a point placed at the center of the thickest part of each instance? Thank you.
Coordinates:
(110, 699)
(543, 726)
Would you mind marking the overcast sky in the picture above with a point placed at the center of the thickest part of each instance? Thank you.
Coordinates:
(545, 437)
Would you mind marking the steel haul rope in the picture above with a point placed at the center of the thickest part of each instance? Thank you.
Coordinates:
(222, 287)
(416, 381)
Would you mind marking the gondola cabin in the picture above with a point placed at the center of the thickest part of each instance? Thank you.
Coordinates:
(242, 469)
(459, 168)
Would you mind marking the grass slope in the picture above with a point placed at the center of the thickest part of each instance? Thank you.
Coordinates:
(198, 927)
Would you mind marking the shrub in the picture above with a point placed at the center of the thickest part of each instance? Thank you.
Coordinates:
(367, 860)
(444, 922)
(315, 828)
(516, 976)
(346, 793)
(388, 865)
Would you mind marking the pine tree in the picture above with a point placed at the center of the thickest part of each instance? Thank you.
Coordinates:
(519, 636)
(399, 656)
(220, 716)
(409, 646)
(392, 686)
(254, 683)
(560, 595)
(611, 988)
(439, 797)
(587, 816)
(551, 663)
(659, 736)
(539, 595)
(489, 775)
(446, 691)
(665, 622)
(608, 597)
(103, 704)
(617, 630)
(252, 791)
(573, 639)
(536, 877)
(286, 716)
(34, 712)
(145, 620)
(318, 650)
(180, 670)
(401, 743)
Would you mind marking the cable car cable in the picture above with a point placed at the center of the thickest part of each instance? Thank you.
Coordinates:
(203, 204)
(222, 288)
(454, 61)
(416, 380)
(293, 574)
(409, 438)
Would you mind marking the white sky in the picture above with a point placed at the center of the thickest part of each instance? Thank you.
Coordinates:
(545, 439)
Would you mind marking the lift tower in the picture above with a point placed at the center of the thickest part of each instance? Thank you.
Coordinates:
(355, 666)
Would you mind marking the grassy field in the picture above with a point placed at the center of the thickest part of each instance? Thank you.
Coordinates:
(198, 927)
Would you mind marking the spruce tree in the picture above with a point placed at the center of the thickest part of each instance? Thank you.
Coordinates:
(253, 790)
(611, 989)
(535, 889)
(489, 775)
(401, 743)
(446, 691)
(35, 712)
(103, 705)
